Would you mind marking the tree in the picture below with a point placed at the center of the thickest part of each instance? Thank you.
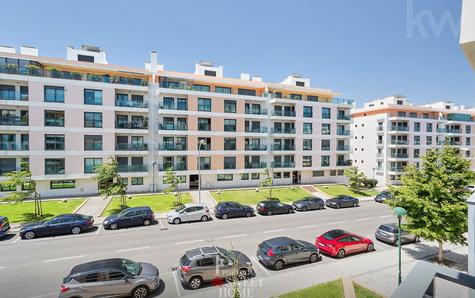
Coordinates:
(435, 197)
(174, 182)
(109, 180)
(356, 179)
(268, 181)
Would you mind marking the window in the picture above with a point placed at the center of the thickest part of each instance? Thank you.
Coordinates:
(90, 164)
(224, 90)
(210, 73)
(205, 262)
(201, 88)
(255, 176)
(54, 142)
(7, 188)
(300, 83)
(7, 165)
(168, 103)
(206, 145)
(54, 166)
(325, 129)
(60, 184)
(306, 161)
(245, 176)
(229, 124)
(85, 58)
(325, 145)
(286, 175)
(204, 124)
(307, 128)
(54, 94)
(307, 144)
(181, 104)
(248, 92)
(229, 162)
(312, 98)
(278, 175)
(325, 161)
(417, 126)
(54, 118)
(137, 180)
(318, 173)
(204, 104)
(428, 140)
(225, 177)
(229, 143)
(93, 119)
(230, 106)
(428, 127)
(307, 112)
(92, 97)
(416, 153)
(92, 143)
(326, 113)
(296, 96)
(468, 129)
(205, 163)
(116, 275)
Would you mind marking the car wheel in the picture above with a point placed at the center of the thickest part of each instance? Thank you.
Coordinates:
(76, 230)
(248, 214)
(355, 204)
(269, 212)
(204, 218)
(304, 208)
(113, 226)
(177, 221)
(313, 258)
(290, 210)
(195, 282)
(321, 207)
(147, 222)
(338, 206)
(370, 247)
(225, 216)
(341, 254)
(242, 274)
(29, 235)
(140, 292)
(278, 265)
(417, 239)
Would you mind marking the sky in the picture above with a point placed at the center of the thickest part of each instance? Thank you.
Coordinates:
(364, 49)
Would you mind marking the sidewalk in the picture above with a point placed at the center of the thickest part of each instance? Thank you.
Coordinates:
(94, 206)
(206, 198)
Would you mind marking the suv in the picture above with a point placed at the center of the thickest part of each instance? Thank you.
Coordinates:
(206, 264)
(110, 278)
(388, 233)
(227, 210)
(135, 216)
(4, 226)
(188, 212)
(281, 251)
(271, 207)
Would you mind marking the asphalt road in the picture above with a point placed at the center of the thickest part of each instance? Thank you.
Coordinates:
(35, 268)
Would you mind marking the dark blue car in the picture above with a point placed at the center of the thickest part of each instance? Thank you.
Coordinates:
(58, 225)
(4, 226)
(135, 216)
(227, 210)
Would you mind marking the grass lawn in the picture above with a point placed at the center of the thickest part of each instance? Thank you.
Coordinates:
(362, 292)
(24, 212)
(251, 197)
(158, 203)
(332, 289)
(338, 189)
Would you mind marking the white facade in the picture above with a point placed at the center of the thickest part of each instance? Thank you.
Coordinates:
(467, 32)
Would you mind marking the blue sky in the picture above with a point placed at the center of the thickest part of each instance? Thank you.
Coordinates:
(364, 49)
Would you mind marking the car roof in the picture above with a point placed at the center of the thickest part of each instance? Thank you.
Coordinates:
(202, 251)
(115, 263)
(278, 241)
(391, 225)
(137, 208)
(269, 201)
(193, 205)
(228, 203)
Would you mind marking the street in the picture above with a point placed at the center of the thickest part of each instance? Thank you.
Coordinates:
(35, 268)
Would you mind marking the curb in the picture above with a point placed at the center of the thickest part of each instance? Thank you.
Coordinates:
(80, 206)
(105, 207)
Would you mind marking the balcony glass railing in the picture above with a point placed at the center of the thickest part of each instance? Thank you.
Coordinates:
(174, 167)
(131, 104)
(454, 130)
(283, 113)
(172, 126)
(399, 142)
(174, 107)
(256, 111)
(399, 155)
(261, 129)
(343, 148)
(343, 162)
(17, 121)
(132, 168)
(399, 128)
(255, 147)
(397, 169)
(255, 165)
(441, 130)
(342, 101)
(343, 117)
(343, 132)
(8, 95)
(280, 147)
(459, 117)
(131, 125)
(172, 147)
(289, 164)
(8, 146)
(280, 130)
(131, 147)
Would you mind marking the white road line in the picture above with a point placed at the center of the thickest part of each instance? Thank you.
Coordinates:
(176, 284)
(16, 240)
(306, 227)
(98, 229)
(188, 242)
(2, 267)
(233, 236)
(63, 259)
(161, 225)
(385, 216)
(337, 222)
(260, 265)
(131, 249)
(364, 219)
(273, 231)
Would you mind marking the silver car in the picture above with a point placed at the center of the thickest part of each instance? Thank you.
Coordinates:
(110, 278)
(188, 212)
(388, 233)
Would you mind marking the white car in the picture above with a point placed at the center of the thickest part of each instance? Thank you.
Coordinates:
(188, 212)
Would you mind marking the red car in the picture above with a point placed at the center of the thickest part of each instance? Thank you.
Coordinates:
(339, 243)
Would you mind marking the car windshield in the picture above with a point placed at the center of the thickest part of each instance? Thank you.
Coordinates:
(131, 267)
(333, 234)
(228, 254)
(178, 209)
(184, 261)
(388, 228)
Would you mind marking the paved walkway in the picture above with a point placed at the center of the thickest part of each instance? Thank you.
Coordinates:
(206, 198)
(94, 206)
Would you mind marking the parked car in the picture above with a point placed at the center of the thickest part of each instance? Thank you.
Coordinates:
(343, 201)
(4, 226)
(281, 251)
(339, 243)
(110, 278)
(206, 264)
(227, 210)
(129, 217)
(188, 212)
(58, 225)
(383, 196)
(388, 233)
(309, 203)
(272, 207)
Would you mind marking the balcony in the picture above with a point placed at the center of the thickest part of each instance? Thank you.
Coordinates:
(343, 132)
(173, 107)
(172, 147)
(399, 142)
(399, 128)
(459, 117)
(283, 131)
(174, 167)
(289, 164)
(397, 169)
(441, 130)
(131, 104)
(342, 101)
(399, 155)
(15, 121)
(131, 147)
(255, 147)
(455, 143)
(256, 111)
(454, 130)
(172, 126)
(7, 95)
(283, 113)
(343, 148)
(343, 163)
(255, 165)
(261, 129)
(280, 147)
(132, 168)
(176, 85)
(131, 125)
(8, 146)
(343, 117)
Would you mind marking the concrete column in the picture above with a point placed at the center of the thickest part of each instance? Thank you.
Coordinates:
(153, 138)
(471, 235)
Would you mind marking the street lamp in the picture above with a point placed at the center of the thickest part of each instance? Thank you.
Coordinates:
(202, 142)
(399, 212)
(153, 176)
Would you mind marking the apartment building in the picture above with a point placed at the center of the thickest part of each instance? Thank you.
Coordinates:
(390, 133)
(63, 117)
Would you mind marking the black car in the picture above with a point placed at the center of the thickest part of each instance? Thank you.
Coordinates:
(281, 251)
(135, 216)
(58, 225)
(382, 196)
(272, 207)
(227, 210)
(4, 226)
(309, 203)
(343, 201)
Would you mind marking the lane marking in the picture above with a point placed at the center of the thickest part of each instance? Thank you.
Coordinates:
(188, 242)
(233, 236)
(161, 225)
(16, 240)
(260, 265)
(63, 259)
(98, 230)
(273, 231)
(306, 227)
(385, 216)
(364, 219)
(176, 284)
(2, 267)
(132, 249)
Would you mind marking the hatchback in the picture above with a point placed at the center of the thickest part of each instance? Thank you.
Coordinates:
(227, 210)
(339, 243)
(281, 251)
(382, 196)
(388, 233)
(110, 278)
(272, 207)
(342, 201)
(309, 203)
(58, 225)
(207, 264)
(189, 212)
(135, 216)
(4, 226)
